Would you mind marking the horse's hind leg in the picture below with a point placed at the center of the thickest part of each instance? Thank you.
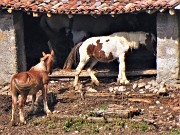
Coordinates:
(22, 102)
(33, 100)
(94, 79)
(79, 68)
(14, 104)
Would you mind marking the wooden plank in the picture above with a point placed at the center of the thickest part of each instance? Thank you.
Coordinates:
(140, 100)
(102, 73)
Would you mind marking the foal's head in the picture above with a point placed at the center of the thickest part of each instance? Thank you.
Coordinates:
(48, 59)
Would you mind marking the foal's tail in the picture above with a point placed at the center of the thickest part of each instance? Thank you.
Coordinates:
(72, 57)
(21, 86)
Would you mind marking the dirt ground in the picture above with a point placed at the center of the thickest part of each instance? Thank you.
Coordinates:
(108, 109)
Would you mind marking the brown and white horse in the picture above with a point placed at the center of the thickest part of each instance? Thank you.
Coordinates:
(109, 48)
(81, 27)
(29, 83)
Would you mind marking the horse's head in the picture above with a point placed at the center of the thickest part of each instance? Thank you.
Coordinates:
(48, 59)
(150, 42)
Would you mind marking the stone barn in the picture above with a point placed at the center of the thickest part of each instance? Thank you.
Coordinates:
(22, 39)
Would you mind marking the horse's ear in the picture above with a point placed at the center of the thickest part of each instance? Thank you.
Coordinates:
(52, 52)
(43, 53)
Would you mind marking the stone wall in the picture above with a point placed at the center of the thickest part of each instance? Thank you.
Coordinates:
(168, 66)
(12, 54)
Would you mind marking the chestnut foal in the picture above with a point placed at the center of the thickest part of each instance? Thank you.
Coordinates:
(29, 83)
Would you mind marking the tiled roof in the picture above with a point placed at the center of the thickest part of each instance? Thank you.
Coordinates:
(88, 6)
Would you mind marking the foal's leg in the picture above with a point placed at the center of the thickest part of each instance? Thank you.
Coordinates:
(33, 100)
(122, 67)
(44, 94)
(22, 102)
(14, 104)
(93, 77)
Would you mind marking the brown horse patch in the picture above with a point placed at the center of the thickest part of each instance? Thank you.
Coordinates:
(97, 52)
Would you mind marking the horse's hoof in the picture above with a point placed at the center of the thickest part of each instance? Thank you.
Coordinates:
(48, 112)
(31, 112)
(117, 83)
(75, 85)
(22, 123)
(124, 82)
(95, 82)
(127, 82)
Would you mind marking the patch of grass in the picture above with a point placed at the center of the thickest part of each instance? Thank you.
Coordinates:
(142, 126)
(51, 125)
(67, 124)
(92, 114)
(82, 125)
(173, 132)
(120, 122)
(103, 107)
(78, 124)
(95, 128)
(37, 122)
(44, 132)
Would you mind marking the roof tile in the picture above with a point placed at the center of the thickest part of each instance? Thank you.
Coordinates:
(88, 6)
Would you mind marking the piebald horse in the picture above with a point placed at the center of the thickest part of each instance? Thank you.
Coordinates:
(81, 27)
(109, 48)
(29, 83)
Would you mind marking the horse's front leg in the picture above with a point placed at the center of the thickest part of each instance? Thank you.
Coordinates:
(21, 108)
(122, 69)
(44, 94)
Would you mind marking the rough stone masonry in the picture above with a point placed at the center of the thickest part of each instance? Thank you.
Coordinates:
(12, 49)
(168, 46)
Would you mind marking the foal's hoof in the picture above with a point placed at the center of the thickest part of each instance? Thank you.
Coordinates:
(48, 112)
(12, 123)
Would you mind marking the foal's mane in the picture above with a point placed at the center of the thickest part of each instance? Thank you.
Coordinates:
(44, 62)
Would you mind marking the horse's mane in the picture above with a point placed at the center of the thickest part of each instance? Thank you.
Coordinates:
(131, 38)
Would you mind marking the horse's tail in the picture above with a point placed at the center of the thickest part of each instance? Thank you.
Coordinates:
(72, 57)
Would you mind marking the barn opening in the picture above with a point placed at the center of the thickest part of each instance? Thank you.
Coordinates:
(140, 59)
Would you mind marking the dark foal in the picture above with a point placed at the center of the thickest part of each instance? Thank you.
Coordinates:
(29, 83)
